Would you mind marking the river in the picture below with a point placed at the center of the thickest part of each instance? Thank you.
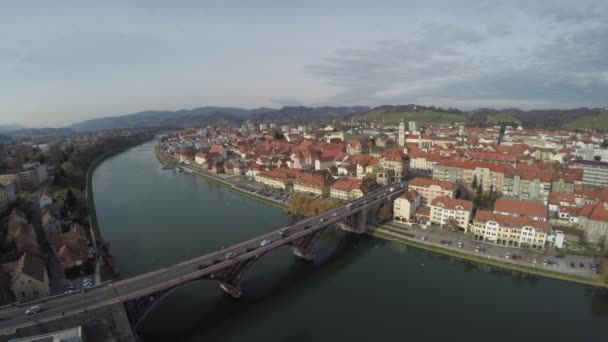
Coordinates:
(358, 289)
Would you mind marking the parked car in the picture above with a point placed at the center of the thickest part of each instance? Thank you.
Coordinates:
(423, 238)
(572, 265)
(459, 244)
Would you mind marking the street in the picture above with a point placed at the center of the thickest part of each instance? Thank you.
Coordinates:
(434, 235)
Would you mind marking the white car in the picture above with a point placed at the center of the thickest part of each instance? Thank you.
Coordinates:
(265, 243)
(33, 310)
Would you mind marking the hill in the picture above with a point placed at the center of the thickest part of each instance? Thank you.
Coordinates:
(424, 115)
(9, 128)
(502, 118)
(595, 121)
(213, 115)
(39, 132)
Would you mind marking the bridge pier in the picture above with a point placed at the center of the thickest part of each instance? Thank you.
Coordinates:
(233, 291)
(303, 253)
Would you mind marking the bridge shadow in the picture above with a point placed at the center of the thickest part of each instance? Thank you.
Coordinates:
(202, 309)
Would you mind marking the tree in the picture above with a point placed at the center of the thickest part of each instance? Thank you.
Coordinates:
(479, 196)
(70, 199)
(385, 213)
(474, 182)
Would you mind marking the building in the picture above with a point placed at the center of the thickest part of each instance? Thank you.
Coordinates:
(405, 206)
(514, 207)
(594, 172)
(33, 176)
(413, 127)
(69, 335)
(396, 160)
(278, 178)
(508, 230)
(30, 280)
(72, 247)
(401, 138)
(449, 210)
(349, 189)
(429, 189)
(310, 183)
(527, 185)
(10, 178)
(7, 195)
(51, 223)
(593, 219)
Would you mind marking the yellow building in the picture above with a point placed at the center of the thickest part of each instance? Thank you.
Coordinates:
(507, 230)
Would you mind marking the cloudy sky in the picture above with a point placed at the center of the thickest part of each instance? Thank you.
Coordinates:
(67, 61)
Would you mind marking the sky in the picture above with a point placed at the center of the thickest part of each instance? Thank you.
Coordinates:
(63, 62)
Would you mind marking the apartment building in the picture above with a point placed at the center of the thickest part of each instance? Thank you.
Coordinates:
(509, 230)
(446, 209)
(429, 189)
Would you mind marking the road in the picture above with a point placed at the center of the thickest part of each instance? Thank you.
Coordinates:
(529, 258)
(12, 317)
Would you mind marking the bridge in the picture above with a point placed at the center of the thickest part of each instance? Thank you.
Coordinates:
(139, 294)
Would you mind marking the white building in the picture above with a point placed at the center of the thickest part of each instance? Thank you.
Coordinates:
(405, 206)
(446, 209)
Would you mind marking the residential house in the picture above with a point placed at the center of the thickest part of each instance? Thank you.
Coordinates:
(405, 206)
(514, 207)
(509, 230)
(396, 160)
(593, 219)
(71, 247)
(312, 183)
(30, 280)
(349, 189)
(449, 210)
(358, 147)
(51, 223)
(429, 189)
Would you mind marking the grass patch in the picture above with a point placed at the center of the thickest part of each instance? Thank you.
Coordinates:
(492, 262)
(427, 117)
(167, 164)
(574, 248)
(499, 118)
(599, 121)
(568, 229)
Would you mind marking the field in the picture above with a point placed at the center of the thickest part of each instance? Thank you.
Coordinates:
(591, 121)
(498, 118)
(422, 116)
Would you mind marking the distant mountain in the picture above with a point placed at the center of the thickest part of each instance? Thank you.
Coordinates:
(212, 115)
(8, 128)
(39, 132)
(550, 118)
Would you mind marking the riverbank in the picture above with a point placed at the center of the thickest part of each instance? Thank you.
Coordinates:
(216, 180)
(411, 241)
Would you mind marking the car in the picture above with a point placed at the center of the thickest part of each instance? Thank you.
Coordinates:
(581, 265)
(308, 226)
(32, 310)
(559, 256)
(334, 214)
(449, 243)
(284, 231)
(265, 242)
(443, 242)
(545, 262)
(508, 255)
(322, 220)
(572, 265)
(423, 238)
(477, 249)
(204, 265)
(482, 250)
(249, 249)
(459, 245)
(519, 257)
(391, 189)
(514, 257)
(230, 255)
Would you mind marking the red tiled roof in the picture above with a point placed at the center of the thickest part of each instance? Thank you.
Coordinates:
(510, 221)
(595, 212)
(520, 207)
(452, 203)
(427, 182)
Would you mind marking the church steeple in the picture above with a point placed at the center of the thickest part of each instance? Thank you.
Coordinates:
(401, 141)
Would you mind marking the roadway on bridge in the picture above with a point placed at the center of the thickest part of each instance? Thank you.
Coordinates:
(13, 316)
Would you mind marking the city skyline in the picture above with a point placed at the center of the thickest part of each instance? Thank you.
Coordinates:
(67, 63)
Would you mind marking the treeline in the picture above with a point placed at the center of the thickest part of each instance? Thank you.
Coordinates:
(72, 164)
(304, 205)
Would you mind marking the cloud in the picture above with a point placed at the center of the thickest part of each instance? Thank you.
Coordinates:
(496, 63)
